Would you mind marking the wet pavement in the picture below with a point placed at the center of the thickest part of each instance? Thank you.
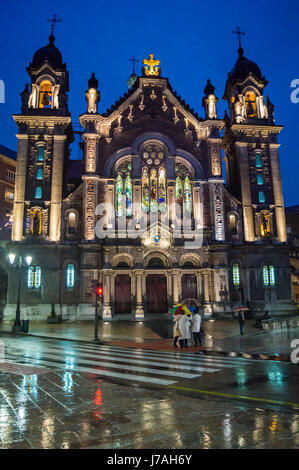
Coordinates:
(64, 394)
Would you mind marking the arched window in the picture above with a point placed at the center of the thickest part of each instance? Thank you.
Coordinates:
(236, 275)
(261, 196)
(156, 263)
(70, 276)
(250, 103)
(71, 222)
(39, 174)
(154, 194)
(34, 277)
(162, 190)
(258, 160)
(260, 178)
(183, 187)
(269, 275)
(124, 191)
(45, 94)
(145, 190)
(40, 153)
(233, 224)
(38, 192)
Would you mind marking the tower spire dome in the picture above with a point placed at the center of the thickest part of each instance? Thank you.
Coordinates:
(53, 20)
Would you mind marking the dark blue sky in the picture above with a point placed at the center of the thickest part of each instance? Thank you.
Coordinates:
(192, 38)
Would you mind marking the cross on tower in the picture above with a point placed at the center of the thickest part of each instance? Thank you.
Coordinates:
(53, 20)
(239, 34)
(133, 60)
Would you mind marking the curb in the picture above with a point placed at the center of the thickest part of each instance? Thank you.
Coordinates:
(207, 352)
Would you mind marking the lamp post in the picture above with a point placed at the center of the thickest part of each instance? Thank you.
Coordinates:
(18, 263)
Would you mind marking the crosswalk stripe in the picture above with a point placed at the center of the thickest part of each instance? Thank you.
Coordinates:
(105, 373)
(180, 360)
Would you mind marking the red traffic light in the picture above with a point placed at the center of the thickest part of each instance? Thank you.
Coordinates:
(99, 290)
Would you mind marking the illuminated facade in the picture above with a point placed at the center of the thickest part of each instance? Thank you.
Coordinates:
(151, 215)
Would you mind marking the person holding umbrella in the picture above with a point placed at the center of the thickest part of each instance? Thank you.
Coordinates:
(177, 316)
(241, 317)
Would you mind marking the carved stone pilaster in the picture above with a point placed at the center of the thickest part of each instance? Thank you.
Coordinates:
(215, 159)
(90, 203)
(218, 212)
(91, 154)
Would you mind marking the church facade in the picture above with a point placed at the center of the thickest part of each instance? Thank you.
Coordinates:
(149, 213)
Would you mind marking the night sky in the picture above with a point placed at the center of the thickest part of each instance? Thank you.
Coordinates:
(193, 40)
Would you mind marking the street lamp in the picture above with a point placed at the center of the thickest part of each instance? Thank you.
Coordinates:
(17, 327)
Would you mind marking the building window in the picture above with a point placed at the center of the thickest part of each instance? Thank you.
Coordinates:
(260, 179)
(258, 160)
(236, 275)
(250, 103)
(124, 191)
(34, 277)
(45, 94)
(71, 223)
(70, 276)
(38, 192)
(10, 175)
(39, 174)
(233, 224)
(40, 154)
(9, 195)
(261, 196)
(183, 187)
(269, 275)
(153, 180)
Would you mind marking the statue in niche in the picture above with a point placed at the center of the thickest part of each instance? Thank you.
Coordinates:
(32, 97)
(265, 230)
(36, 223)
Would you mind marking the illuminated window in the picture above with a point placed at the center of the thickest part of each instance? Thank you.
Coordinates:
(233, 224)
(40, 154)
(154, 194)
(34, 277)
(45, 94)
(250, 103)
(236, 274)
(39, 174)
(70, 276)
(10, 175)
(261, 196)
(269, 275)
(260, 179)
(124, 191)
(258, 160)
(9, 195)
(183, 187)
(38, 192)
(71, 223)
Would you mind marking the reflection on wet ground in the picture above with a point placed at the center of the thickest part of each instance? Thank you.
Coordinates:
(67, 409)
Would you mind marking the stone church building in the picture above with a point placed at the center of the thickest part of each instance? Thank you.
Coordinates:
(148, 211)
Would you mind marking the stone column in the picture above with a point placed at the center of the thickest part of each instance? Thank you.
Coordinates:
(199, 285)
(175, 287)
(107, 293)
(196, 206)
(137, 190)
(171, 201)
(206, 291)
(139, 306)
(242, 156)
(18, 209)
(218, 211)
(278, 196)
(56, 187)
(109, 198)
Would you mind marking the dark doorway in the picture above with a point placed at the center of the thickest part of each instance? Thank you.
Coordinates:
(123, 294)
(156, 293)
(189, 286)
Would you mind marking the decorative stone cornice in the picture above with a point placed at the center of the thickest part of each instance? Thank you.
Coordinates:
(250, 129)
(38, 120)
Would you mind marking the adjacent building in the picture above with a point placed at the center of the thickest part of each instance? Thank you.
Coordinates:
(7, 184)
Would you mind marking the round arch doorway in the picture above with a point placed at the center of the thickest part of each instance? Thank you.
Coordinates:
(156, 288)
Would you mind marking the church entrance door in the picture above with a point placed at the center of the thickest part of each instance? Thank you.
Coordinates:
(122, 294)
(156, 293)
(189, 286)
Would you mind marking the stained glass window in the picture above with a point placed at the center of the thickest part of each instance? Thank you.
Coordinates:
(162, 190)
(260, 179)
(70, 275)
(119, 196)
(187, 194)
(154, 191)
(266, 275)
(128, 194)
(39, 174)
(145, 190)
(258, 160)
(178, 190)
(38, 192)
(40, 154)
(236, 274)
(261, 196)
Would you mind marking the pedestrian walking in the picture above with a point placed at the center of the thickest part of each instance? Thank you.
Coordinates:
(196, 323)
(241, 317)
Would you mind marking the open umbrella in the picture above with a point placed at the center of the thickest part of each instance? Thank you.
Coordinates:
(176, 309)
(242, 307)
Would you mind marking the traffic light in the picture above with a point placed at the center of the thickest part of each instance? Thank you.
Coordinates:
(99, 291)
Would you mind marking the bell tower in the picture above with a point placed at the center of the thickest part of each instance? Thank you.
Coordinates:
(251, 151)
(45, 132)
